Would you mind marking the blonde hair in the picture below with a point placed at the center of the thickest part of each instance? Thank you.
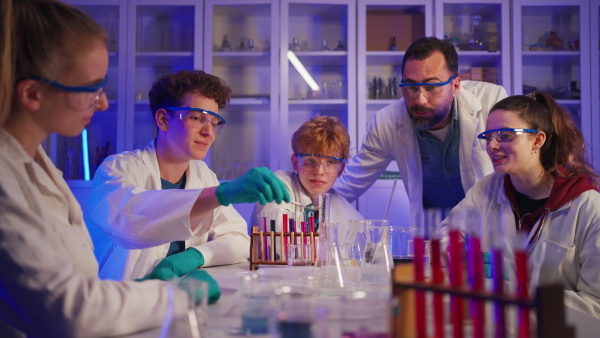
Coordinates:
(322, 135)
(40, 38)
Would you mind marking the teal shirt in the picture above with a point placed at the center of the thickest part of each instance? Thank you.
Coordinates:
(176, 246)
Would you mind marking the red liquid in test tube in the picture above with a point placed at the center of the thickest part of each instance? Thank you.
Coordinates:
(420, 315)
(456, 281)
(498, 280)
(522, 292)
(285, 229)
(475, 261)
(437, 278)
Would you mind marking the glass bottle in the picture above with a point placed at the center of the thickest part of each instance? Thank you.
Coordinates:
(242, 46)
(340, 46)
(478, 40)
(393, 46)
(251, 47)
(324, 46)
(225, 45)
(296, 44)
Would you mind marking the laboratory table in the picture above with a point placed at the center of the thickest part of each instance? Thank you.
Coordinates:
(224, 316)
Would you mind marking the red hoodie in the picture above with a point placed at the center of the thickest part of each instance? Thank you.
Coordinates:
(563, 191)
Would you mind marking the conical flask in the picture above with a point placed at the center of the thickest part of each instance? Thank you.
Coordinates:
(329, 270)
(376, 267)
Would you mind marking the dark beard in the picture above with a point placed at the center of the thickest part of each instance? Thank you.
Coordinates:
(426, 123)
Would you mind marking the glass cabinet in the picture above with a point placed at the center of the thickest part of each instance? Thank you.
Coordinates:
(162, 40)
(78, 157)
(385, 30)
(480, 31)
(239, 49)
(318, 67)
(549, 55)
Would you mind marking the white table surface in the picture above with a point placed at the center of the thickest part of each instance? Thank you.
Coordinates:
(224, 316)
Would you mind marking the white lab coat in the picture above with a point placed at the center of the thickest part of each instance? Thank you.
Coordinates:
(48, 284)
(142, 220)
(341, 210)
(568, 249)
(391, 136)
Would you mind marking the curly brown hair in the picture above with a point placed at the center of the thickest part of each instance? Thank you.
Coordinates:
(170, 90)
(322, 135)
(564, 146)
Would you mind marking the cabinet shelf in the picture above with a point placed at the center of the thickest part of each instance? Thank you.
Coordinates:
(163, 59)
(551, 53)
(239, 101)
(318, 103)
(380, 102)
(253, 59)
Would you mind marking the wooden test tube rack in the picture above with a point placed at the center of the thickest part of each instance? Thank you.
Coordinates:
(548, 303)
(258, 240)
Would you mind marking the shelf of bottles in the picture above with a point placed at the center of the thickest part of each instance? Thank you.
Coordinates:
(164, 43)
(550, 57)
(320, 40)
(385, 30)
(239, 50)
(480, 33)
(78, 157)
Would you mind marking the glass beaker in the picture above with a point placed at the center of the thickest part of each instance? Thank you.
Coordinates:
(376, 267)
(256, 293)
(329, 267)
(356, 236)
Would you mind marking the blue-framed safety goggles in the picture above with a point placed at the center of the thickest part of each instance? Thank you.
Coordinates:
(408, 84)
(221, 119)
(87, 89)
(322, 156)
(504, 134)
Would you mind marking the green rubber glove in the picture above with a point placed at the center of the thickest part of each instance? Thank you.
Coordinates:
(177, 265)
(214, 292)
(256, 185)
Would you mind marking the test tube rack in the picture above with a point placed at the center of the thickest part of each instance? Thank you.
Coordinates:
(261, 246)
(548, 303)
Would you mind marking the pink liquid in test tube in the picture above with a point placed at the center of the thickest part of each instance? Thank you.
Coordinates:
(437, 278)
(456, 281)
(498, 280)
(522, 292)
(476, 281)
(285, 229)
(420, 315)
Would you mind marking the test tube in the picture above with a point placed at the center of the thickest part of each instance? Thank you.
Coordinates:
(522, 290)
(498, 283)
(456, 276)
(433, 219)
(264, 229)
(284, 230)
(419, 257)
(273, 228)
(475, 273)
(311, 221)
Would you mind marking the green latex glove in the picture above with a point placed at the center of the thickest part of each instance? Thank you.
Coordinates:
(214, 292)
(177, 265)
(256, 185)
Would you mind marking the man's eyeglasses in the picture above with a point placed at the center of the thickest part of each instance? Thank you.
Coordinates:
(429, 90)
(312, 162)
(199, 117)
(504, 135)
(87, 96)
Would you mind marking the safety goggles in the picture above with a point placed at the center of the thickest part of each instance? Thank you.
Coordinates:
(312, 162)
(429, 90)
(199, 117)
(504, 135)
(84, 97)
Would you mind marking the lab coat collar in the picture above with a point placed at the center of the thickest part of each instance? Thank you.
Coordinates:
(10, 146)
